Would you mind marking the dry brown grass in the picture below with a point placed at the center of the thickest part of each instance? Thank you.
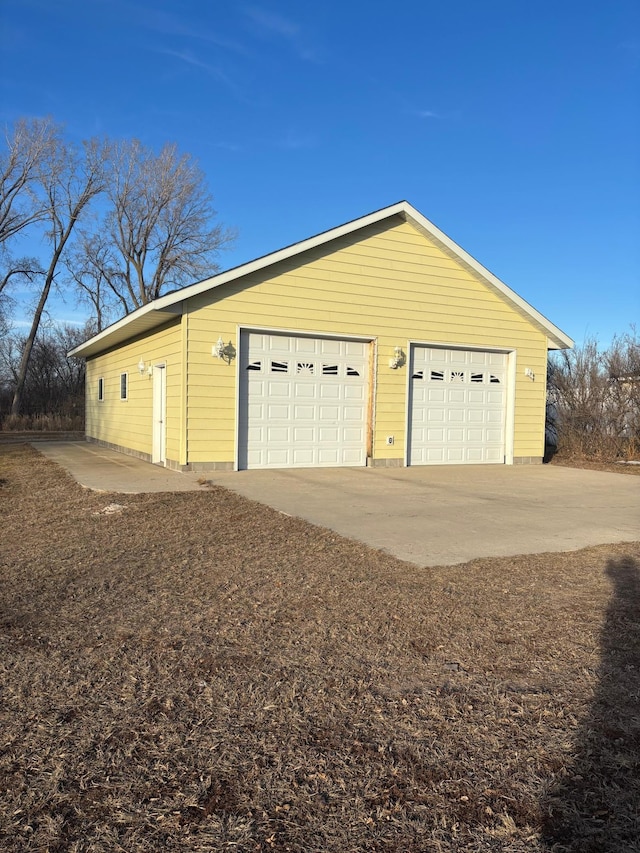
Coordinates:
(199, 673)
(620, 467)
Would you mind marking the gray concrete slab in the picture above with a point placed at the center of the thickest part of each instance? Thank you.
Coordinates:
(104, 470)
(431, 515)
(434, 515)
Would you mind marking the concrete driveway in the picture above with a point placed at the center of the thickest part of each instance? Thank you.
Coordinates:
(431, 515)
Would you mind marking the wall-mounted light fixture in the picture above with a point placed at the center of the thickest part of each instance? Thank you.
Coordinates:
(398, 358)
(226, 352)
(528, 372)
(141, 367)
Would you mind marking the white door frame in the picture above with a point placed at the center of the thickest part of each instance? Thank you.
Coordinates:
(159, 414)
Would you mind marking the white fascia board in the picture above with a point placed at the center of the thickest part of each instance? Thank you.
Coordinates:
(109, 336)
(555, 335)
(407, 211)
(113, 334)
(283, 254)
(142, 320)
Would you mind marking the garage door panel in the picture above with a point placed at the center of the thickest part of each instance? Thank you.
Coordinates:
(329, 413)
(303, 401)
(254, 459)
(304, 457)
(353, 392)
(303, 345)
(329, 435)
(330, 392)
(275, 434)
(355, 348)
(353, 413)
(275, 412)
(305, 435)
(329, 347)
(277, 456)
(278, 389)
(303, 412)
(256, 434)
(460, 394)
(305, 390)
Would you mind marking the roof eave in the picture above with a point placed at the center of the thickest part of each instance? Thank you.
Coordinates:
(140, 321)
(166, 305)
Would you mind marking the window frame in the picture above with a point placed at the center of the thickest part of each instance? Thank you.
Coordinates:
(101, 389)
(124, 385)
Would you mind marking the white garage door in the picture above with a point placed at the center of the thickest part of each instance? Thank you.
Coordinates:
(458, 400)
(303, 401)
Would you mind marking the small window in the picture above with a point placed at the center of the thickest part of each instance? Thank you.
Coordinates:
(305, 368)
(123, 385)
(279, 367)
(437, 375)
(351, 371)
(457, 376)
(494, 379)
(329, 369)
(476, 377)
(419, 374)
(255, 365)
(101, 389)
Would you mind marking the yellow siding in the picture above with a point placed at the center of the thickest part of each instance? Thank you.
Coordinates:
(128, 423)
(392, 285)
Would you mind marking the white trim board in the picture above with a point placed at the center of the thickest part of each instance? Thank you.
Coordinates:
(162, 309)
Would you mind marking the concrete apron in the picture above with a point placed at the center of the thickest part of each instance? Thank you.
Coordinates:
(428, 515)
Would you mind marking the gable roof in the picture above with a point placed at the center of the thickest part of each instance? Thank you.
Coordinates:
(161, 310)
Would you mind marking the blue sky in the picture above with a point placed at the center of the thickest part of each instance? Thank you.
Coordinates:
(514, 127)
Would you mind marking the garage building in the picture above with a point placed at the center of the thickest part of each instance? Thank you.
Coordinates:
(379, 342)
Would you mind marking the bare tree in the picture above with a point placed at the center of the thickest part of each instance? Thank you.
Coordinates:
(622, 365)
(28, 151)
(86, 268)
(158, 232)
(54, 386)
(594, 398)
(68, 183)
(23, 269)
